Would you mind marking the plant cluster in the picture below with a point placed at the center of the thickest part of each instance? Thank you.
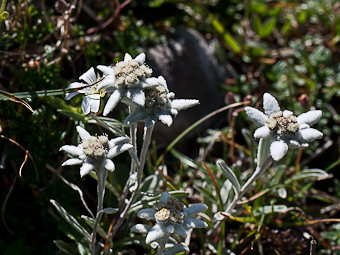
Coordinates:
(260, 198)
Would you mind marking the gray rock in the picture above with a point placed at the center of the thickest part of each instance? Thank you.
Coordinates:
(191, 70)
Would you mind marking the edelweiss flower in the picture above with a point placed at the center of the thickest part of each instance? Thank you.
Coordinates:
(131, 77)
(283, 128)
(171, 218)
(159, 105)
(95, 152)
(90, 88)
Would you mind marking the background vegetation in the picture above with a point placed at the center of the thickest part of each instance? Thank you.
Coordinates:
(288, 48)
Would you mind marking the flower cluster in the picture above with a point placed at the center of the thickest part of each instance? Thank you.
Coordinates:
(283, 128)
(159, 105)
(95, 152)
(129, 82)
(171, 217)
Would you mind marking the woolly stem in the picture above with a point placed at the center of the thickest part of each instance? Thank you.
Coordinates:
(142, 158)
(133, 137)
(162, 244)
(258, 171)
(101, 174)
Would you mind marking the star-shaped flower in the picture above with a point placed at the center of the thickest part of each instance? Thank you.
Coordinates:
(282, 127)
(130, 79)
(171, 218)
(159, 105)
(95, 152)
(90, 87)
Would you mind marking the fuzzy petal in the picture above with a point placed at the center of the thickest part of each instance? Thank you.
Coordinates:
(140, 58)
(310, 117)
(89, 77)
(162, 81)
(270, 104)
(137, 115)
(165, 119)
(85, 169)
(140, 228)
(72, 161)
(136, 95)
(164, 197)
(179, 229)
(194, 209)
(108, 81)
(170, 229)
(117, 141)
(75, 85)
(112, 102)
(86, 105)
(72, 150)
(287, 113)
(94, 104)
(118, 150)
(127, 57)
(106, 70)
(182, 104)
(278, 150)
(147, 214)
(149, 121)
(109, 165)
(150, 82)
(194, 223)
(262, 132)
(68, 96)
(156, 233)
(83, 133)
(256, 116)
(310, 134)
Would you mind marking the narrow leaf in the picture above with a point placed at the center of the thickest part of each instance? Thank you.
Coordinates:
(263, 150)
(71, 220)
(67, 248)
(89, 221)
(230, 175)
(308, 173)
(182, 247)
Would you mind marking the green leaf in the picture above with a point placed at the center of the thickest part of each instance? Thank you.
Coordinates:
(89, 221)
(308, 173)
(184, 159)
(71, 220)
(257, 25)
(268, 27)
(227, 37)
(4, 15)
(230, 175)
(67, 248)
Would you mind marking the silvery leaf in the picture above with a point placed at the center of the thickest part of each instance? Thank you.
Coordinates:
(182, 247)
(67, 248)
(230, 175)
(225, 191)
(308, 173)
(89, 221)
(263, 149)
(71, 220)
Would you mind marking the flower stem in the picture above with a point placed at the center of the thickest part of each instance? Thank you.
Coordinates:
(258, 171)
(133, 137)
(101, 174)
(142, 158)
(162, 244)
